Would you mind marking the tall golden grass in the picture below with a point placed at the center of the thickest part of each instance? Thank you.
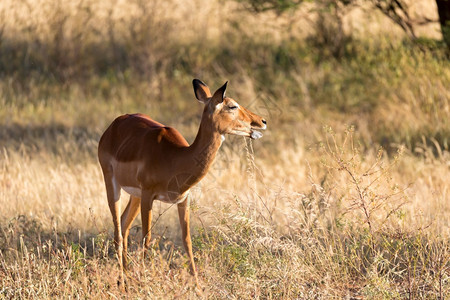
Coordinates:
(346, 195)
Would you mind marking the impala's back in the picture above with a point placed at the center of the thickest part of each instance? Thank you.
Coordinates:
(127, 136)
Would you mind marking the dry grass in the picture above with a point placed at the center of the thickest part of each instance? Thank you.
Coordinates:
(264, 233)
(304, 213)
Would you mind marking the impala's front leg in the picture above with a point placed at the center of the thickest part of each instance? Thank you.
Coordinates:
(146, 215)
(183, 213)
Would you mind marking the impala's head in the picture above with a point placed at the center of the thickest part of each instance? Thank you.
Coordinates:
(226, 114)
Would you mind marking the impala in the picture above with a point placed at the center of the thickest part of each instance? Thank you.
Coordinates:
(151, 162)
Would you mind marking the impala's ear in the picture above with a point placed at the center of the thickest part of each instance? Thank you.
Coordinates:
(219, 95)
(201, 90)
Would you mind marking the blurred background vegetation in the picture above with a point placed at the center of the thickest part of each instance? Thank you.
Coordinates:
(370, 63)
(302, 213)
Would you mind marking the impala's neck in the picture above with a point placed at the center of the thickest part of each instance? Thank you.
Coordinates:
(194, 161)
(205, 146)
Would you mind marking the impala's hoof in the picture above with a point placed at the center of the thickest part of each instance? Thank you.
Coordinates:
(122, 285)
(199, 291)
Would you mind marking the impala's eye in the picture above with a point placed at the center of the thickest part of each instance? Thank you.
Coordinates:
(232, 107)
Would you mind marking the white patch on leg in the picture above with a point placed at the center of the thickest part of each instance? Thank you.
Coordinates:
(116, 189)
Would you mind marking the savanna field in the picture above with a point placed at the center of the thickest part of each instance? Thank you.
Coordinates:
(346, 196)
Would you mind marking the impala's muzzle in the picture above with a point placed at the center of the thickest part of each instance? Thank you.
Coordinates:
(262, 125)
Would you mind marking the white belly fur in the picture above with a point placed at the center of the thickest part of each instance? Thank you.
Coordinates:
(137, 192)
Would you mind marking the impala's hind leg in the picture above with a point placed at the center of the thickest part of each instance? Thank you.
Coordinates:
(113, 194)
(128, 216)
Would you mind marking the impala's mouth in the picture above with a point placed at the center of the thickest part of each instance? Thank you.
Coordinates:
(250, 132)
(255, 135)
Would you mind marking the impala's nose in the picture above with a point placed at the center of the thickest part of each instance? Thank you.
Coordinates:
(265, 124)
